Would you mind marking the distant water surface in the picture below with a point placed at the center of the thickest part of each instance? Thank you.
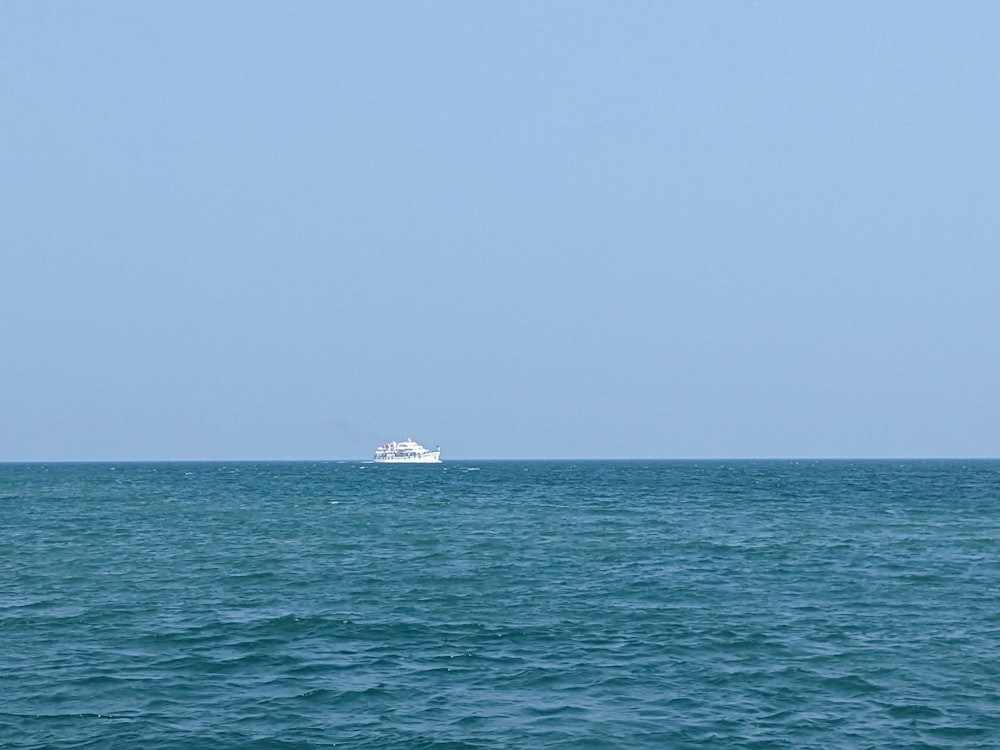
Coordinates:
(500, 605)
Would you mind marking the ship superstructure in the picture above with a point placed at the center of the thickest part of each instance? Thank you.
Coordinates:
(406, 452)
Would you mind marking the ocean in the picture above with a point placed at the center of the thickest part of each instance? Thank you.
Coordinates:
(501, 604)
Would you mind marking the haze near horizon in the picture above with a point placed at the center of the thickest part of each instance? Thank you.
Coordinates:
(514, 230)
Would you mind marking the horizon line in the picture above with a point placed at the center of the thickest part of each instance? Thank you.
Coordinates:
(661, 459)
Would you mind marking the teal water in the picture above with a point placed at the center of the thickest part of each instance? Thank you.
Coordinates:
(500, 605)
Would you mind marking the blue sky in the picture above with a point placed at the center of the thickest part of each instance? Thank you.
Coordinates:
(562, 229)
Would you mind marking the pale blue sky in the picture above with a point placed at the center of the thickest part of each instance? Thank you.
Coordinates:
(558, 229)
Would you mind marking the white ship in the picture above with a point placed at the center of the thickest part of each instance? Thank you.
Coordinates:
(406, 452)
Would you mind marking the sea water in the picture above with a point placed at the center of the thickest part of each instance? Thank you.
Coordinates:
(500, 605)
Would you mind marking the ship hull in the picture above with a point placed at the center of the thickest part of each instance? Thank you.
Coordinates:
(431, 457)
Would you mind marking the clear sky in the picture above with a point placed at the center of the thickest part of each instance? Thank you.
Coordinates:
(246, 230)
